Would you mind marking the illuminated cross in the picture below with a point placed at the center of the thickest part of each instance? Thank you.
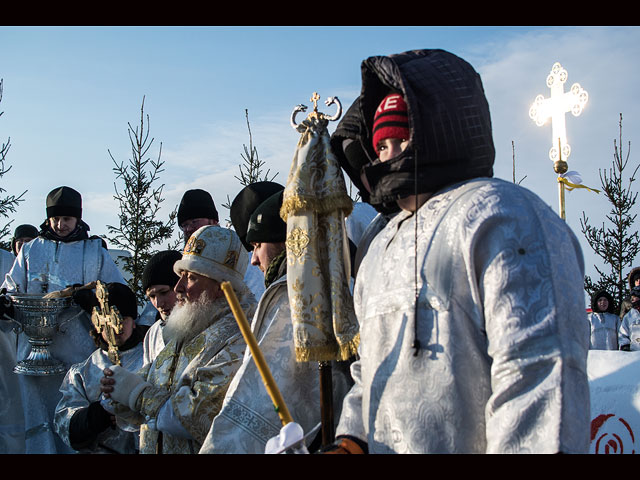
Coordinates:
(555, 108)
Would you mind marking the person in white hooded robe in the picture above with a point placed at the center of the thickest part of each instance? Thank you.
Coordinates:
(470, 299)
(158, 282)
(603, 322)
(63, 255)
(629, 328)
(80, 418)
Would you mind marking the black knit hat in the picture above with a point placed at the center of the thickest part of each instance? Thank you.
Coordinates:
(159, 269)
(120, 296)
(23, 231)
(64, 202)
(123, 298)
(196, 203)
(245, 203)
(266, 225)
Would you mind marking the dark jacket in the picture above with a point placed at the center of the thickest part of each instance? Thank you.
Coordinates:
(449, 118)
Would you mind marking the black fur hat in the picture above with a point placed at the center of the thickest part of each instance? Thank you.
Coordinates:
(245, 203)
(196, 203)
(159, 269)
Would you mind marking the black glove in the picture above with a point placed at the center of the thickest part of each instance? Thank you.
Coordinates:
(87, 423)
(86, 299)
(6, 304)
(626, 348)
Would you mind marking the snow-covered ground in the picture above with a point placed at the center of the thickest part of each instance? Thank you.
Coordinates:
(614, 382)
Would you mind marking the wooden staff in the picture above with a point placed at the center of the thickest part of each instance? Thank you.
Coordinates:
(263, 368)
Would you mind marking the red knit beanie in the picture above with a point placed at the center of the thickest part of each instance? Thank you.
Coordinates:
(390, 119)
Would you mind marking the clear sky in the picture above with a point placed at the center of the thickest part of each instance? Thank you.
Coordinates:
(69, 93)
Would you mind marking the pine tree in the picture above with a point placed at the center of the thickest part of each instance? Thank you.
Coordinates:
(513, 161)
(139, 202)
(616, 244)
(9, 203)
(251, 168)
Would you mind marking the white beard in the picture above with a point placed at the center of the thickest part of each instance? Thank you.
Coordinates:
(189, 319)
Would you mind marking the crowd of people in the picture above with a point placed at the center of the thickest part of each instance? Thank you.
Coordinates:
(613, 330)
(472, 325)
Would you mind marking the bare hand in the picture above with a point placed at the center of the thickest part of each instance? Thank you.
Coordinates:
(106, 383)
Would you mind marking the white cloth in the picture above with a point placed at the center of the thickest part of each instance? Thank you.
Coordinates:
(629, 331)
(148, 315)
(44, 266)
(11, 415)
(500, 320)
(153, 341)
(81, 387)
(254, 278)
(248, 418)
(604, 331)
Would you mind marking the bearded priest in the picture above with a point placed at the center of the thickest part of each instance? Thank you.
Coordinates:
(175, 398)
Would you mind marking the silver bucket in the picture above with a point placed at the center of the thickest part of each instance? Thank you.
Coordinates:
(37, 317)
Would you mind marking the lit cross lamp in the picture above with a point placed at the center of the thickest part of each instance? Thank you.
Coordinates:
(555, 108)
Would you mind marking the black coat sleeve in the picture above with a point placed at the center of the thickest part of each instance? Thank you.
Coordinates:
(86, 424)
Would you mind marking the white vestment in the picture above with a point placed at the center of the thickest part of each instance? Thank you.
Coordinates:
(81, 387)
(44, 266)
(248, 418)
(11, 415)
(501, 324)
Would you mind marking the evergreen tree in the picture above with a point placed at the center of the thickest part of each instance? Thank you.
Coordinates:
(8, 203)
(617, 244)
(139, 202)
(513, 161)
(251, 168)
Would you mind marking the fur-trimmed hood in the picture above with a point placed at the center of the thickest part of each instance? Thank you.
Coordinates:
(607, 295)
(632, 274)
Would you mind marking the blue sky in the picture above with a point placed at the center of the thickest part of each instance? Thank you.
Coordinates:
(69, 93)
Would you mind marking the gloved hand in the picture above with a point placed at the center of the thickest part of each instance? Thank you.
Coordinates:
(290, 440)
(87, 423)
(6, 305)
(127, 386)
(626, 348)
(85, 299)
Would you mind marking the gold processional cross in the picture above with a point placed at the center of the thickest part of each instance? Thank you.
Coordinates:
(107, 319)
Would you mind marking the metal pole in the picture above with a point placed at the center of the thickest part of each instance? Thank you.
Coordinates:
(326, 402)
(560, 167)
